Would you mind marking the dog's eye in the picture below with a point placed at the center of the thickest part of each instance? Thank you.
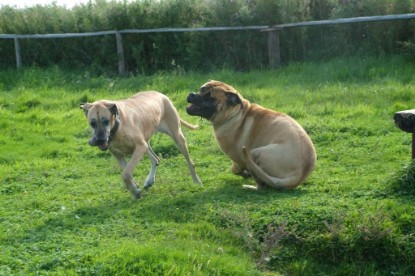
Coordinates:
(105, 122)
(93, 124)
(207, 96)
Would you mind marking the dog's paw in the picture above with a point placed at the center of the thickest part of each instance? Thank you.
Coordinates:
(197, 180)
(149, 183)
(137, 194)
(245, 174)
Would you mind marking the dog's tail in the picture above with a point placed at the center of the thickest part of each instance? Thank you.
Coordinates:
(277, 183)
(189, 126)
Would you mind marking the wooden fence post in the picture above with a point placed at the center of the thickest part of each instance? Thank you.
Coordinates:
(18, 54)
(405, 120)
(274, 53)
(120, 54)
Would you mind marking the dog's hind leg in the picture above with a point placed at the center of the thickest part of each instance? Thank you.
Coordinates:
(154, 163)
(182, 145)
(261, 177)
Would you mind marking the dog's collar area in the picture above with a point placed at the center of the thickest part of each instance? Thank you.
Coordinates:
(114, 129)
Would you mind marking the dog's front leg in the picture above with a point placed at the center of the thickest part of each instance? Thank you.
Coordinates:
(121, 161)
(129, 181)
(238, 170)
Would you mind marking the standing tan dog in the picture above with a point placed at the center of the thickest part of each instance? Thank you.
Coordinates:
(270, 146)
(126, 126)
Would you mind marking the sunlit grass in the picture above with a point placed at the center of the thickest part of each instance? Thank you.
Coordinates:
(64, 209)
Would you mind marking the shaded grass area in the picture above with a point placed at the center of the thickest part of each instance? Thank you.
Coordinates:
(64, 210)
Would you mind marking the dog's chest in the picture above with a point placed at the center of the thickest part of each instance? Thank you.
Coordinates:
(231, 142)
(122, 147)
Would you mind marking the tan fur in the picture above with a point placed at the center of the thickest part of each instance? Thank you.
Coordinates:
(269, 145)
(139, 117)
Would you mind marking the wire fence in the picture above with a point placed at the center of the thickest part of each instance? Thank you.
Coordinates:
(274, 56)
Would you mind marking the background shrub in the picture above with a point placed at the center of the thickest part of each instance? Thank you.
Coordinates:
(202, 51)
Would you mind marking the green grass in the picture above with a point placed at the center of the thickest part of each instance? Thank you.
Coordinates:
(64, 210)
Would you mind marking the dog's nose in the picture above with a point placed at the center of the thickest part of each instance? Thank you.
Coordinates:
(100, 141)
(192, 97)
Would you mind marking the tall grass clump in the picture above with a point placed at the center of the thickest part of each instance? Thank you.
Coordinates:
(404, 180)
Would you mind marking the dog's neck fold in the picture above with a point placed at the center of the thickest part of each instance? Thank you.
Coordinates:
(239, 111)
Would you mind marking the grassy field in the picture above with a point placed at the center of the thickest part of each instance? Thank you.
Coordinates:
(64, 210)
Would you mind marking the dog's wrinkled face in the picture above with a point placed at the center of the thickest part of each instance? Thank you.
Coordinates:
(101, 118)
(212, 98)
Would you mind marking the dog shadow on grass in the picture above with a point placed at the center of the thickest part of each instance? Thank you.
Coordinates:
(182, 205)
(189, 202)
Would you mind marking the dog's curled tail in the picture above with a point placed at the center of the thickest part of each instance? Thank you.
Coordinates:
(189, 126)
(274, 182)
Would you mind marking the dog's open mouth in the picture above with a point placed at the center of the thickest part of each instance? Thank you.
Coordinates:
(200, 110)
(192, 109)
(103, 146)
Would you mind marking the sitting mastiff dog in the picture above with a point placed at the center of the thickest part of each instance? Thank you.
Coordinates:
(269, 146)
(126, 126)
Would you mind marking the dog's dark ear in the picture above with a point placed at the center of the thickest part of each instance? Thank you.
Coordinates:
(85, 107)
(113, 109)
(234, 99)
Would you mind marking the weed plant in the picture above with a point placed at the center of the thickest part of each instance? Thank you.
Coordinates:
(64, 210)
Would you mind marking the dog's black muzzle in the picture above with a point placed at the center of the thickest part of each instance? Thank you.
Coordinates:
(200, 105)
(99, 141)
(194, 98)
